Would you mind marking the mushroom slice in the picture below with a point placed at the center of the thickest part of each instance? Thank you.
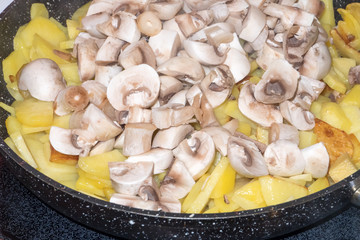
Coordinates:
(317, 62)
(177, 182)
(204, 112)
(134, 115)
(183, 68)
(137, 53)
(134, 201)
(253, 24)
(220, 137)
(231, 126)
(263, 114)
(109, 51)
(90, 22)
(99, 6)
(194, 94)
(72, 98)
(179, 98)
(221, 11)
(217, 85)
(102, 147)
(308, 90)
(268, 54)
(137, 138)
(298, 40)
(171, 115)
(162, 158)
(86, 56)
(46, 83)
(238, 63)
(103, 74)
(128, 177)
(298, 117)
(261, 146)
(354, 75)
(171, 137)
(259, 42)
(169, 86)
(205, 53)
(190, 23)
(172, 25)
(284, 132)
(316, 160)
(196, 5)
(170, 204)
(278, 83)
(130, 6)
(61, 140)
(96, 92)
(166, 10)
(136, 86)
(315, 7)
(119, 141)
(284, 158)
(246, 158)
(165, 45)
(196, 152)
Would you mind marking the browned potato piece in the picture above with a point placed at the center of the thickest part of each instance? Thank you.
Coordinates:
(62, 158)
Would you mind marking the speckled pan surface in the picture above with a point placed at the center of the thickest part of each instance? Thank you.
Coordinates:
(140, 224)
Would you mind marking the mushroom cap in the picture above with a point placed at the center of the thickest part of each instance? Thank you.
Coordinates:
(246, 158)
(109, 51)
(196, 152)
(284, 158)
(61, 140)
(298, 117)
(263, 114)
(46, 83)
(171, 137)
(136, 86)
(253, 24)
(96, 92)
(316, 160)
(283, 131)
(278, 83)
(127, 177)
(72, 98)
(205, 53)
(238, 63)
(137, 53)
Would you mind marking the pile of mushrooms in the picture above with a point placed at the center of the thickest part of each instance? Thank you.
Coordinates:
(150, 70)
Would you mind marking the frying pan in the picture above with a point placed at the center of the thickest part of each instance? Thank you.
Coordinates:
(122, 221)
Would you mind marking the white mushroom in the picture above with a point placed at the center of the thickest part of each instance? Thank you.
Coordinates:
(46, 83)
(246, 158)
(315, 7)
(137, 53)
(190, 23)
(238, 63)
(171, 115)
(166, 10)
(317, 62)
(86, 56)
(149, 23)
(102, 147)
(134, 115)
(169, 86)
(128, 177)
(136, 86)
(137, 138)
(103, 74)
(134, 201)
(263, 114)
(183, 68)
(316, 160)
(109, 51)
(283, 131)
(253, 24)
(284, 158)
(172, 25)
(177, 182)
(221, 11)
(196, 152)
(171, 137)
(90, 22)
(268, 54)
(220, 137)
(278, 83)
(204, 53)
(308, 91)
(162, 158)
(96, 92)
(72, 98)
(61, 140)
(165, 45)
(298, 117)
(178, 98)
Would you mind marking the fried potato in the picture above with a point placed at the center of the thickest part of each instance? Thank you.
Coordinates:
(335, 140)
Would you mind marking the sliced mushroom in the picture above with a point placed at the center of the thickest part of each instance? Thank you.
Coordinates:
(165, 45)
(317, 62)
(316, 160)
(177, 182)
(284, 158)
(162, 158)
(96, 92)
(278, 83)
(169, 86)
(204, 53)
(217, 85)
(119, 141)
(137, 138)
(220, 137)
(315, 7)
(102, 147)
(100, 6)
(196, 152)
(179, 98)
(171, 137)
(61, 140)
(253, 24)
(238, 63)
(109, 51)
(308, 90)
(231, 126)
(72, 98)
(46, 83)
(149, 23)
(259, 42)
(298, 117)
(128, 177)
(263, 114)
(190, 23)
(103, 74)
(204, 112)
(136, 86)
(170, 204)
(183, 68)
(134, 201)
(172, 25)
(171, 115)
(166, 10)
(221, 11)
(196, 5)
(90, 22)
(284, 132)
(86, 56)
(269, 54)
(134, 115)
(137, 53)
(131, 6)
(246, 158)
